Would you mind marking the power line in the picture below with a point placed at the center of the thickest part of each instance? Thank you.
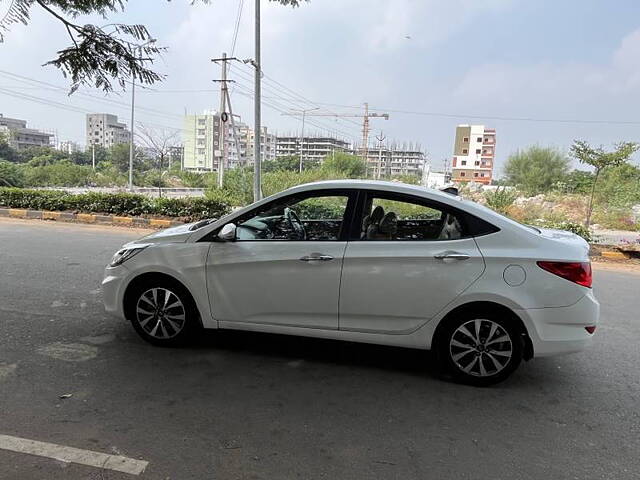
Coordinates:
(489, 117)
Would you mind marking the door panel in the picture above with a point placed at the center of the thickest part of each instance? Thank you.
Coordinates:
(266, 282)
(396, 286)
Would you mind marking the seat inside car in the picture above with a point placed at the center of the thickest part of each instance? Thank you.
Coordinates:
(371, 223)
(451, 228)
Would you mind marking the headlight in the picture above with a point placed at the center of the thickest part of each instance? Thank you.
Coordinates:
(125, 254)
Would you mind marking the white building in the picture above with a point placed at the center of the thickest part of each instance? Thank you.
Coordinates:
(202, 146)
(387, 161)
(313, 148)
(69, 146)
(104, 129)
(473, 154)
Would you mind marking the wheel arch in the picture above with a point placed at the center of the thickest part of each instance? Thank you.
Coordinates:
(486, 306)
(147, 277)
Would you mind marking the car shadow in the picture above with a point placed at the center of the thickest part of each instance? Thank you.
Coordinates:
(338, 352)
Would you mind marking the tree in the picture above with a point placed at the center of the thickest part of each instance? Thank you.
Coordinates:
(601, 160)
(10, 175)
(98, 55)
(159, 143)
(290, 163)
(6, 151)
(350, 165)
(118, 156)
(536, 169)
(578, 181)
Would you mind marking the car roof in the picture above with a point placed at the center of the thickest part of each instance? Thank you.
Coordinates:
(374, 185)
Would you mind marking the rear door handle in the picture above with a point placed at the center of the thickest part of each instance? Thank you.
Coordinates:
(451, 255)
(316, 257)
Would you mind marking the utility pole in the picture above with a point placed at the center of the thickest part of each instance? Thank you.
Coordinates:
(380, 139)
(93, 155)
(131, 145)
(233, 128)
(223, 115)
(257, 189)
(133, 103)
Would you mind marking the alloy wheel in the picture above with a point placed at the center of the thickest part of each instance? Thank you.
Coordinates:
(160, 313)
(481, 347)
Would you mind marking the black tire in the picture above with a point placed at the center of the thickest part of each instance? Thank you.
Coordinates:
(485, 361)
(174, 319)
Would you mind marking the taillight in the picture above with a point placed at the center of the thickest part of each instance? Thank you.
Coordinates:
(577, 272)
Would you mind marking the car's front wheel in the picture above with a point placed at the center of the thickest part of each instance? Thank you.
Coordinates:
(162, 312)
(480, 349)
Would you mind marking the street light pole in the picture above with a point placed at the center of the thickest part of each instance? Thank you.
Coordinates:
(133, 108)
(131, 145)
(257, 189)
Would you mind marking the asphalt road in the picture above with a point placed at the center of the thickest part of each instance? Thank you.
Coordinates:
(254, 406)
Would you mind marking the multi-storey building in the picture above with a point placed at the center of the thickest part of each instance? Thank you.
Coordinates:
(387, 161)
(20, 137)
(473, 154)
(247, 143)
(314, 149)
(69, 146)
(104, 129)
(202, 146)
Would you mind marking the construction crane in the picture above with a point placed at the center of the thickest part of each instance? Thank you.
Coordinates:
(365, 123)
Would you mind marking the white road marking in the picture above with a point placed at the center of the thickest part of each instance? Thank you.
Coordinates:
(73, 455)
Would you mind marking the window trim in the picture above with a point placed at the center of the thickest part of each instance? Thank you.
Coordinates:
(468, 221)
(352, 199)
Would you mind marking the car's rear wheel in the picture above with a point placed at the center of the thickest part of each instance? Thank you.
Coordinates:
(162, 312)
(480, 348)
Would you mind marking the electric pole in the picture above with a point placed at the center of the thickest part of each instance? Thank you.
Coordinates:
(222, 137)
(93, 155)
(133, 102)
(380, 139)
(257, 189)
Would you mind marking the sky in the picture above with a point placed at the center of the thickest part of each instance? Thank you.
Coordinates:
(544, 73)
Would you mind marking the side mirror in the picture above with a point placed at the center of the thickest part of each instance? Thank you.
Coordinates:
(228, 233)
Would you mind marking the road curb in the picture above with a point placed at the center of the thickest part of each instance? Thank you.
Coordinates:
(90, 218)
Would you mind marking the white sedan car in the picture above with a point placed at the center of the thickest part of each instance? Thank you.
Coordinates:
(366, 261)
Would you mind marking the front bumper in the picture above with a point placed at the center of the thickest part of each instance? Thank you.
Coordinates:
(113, 286)
(560, 330)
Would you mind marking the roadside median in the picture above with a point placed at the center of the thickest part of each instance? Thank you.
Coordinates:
(92, 218)
(120, 209)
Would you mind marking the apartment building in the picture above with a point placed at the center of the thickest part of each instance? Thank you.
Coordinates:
(473, 154)
(69, 146)
(314, 149)
(103, 129)
(202, 146)
(20, 137)
(387, 161)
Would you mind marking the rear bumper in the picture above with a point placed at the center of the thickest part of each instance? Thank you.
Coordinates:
(560, 330)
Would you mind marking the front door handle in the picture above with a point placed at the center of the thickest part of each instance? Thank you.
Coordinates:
(316, 257)
(451, 256)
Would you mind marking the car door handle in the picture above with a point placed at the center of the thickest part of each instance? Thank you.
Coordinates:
(316, 257)
(451, 255)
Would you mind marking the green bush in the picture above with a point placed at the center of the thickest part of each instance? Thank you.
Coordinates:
(501, 199)
(114, 203)
(11, 175)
